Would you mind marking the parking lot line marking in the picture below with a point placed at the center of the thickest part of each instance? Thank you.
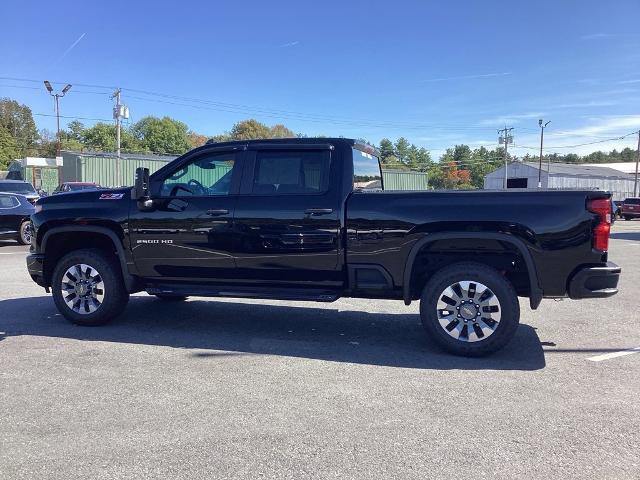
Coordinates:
(12, 253)
(608, 356)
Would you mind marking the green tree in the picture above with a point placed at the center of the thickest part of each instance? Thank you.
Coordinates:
(386, 149)
(8, 148)
(401, 150)
(249, 130)
(161, 135)
(280, 131)
(102, 138)
(18, 121)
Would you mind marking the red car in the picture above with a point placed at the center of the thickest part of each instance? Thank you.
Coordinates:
(631, 208)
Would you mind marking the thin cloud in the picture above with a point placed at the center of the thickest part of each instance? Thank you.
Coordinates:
(290, 44)
(598, 36)
(629, 82)
(468, 77)
(71, 47)
(511, 119)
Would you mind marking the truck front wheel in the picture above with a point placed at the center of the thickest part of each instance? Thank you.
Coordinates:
(469, 309)
(88, 288)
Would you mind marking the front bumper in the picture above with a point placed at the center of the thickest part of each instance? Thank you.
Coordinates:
(595, 282)
(35, 266)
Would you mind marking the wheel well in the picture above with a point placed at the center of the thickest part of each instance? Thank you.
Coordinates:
(502, 256)
(59, 244)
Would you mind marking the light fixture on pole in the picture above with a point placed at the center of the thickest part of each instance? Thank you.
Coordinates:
(57, 96)
(542, 127)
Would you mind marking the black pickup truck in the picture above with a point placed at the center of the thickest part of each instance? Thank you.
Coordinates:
(309, 219)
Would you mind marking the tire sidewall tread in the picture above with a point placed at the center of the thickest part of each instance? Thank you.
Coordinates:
(501, 287)
(115, 297)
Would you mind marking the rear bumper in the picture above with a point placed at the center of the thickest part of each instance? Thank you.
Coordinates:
(595, 282)
(35, 266)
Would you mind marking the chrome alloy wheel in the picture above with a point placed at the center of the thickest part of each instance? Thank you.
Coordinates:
(468, 311)
(82, 289)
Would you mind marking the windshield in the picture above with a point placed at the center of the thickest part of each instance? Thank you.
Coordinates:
(632, 201)
(366, 171)
(17, 187)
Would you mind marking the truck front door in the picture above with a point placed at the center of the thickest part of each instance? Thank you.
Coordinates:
(187, 234)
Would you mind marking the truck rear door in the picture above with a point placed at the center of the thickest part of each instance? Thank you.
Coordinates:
(287, 221)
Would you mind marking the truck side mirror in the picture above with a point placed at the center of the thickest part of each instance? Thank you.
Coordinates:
(141, 189)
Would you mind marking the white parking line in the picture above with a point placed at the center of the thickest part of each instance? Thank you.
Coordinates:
(12, 253)
(621, 353)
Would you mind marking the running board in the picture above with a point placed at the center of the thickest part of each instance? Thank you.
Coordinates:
(301, 294)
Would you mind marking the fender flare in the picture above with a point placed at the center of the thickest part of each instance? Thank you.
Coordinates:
(536, 292)
(129, 280)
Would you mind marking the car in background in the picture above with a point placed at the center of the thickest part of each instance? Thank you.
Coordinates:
(631, 208)
(15, 213)
(75, 187)
(21, 187)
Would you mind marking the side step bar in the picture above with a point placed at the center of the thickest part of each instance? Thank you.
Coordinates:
(234, 291)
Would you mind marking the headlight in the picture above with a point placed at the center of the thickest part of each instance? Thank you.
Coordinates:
(38, 208)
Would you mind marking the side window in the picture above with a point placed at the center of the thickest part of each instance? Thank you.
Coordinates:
(206, 175)
(8, 201)
(291, 172)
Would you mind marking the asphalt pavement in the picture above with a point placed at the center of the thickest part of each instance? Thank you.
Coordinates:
(353, 389)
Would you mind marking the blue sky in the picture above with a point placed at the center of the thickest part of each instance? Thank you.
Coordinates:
(438, 73)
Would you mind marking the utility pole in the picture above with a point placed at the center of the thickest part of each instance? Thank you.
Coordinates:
(57, 96)
(505, 139)
(542, 127)
(119, 112)
(635, 183)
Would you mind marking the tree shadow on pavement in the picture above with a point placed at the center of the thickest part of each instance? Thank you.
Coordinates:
(392, 340)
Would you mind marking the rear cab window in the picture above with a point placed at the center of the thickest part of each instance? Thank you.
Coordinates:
(291, 172)
(367, 176)
(632, 201)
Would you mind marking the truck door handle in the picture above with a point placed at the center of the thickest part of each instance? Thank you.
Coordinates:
(216, 212)
(318, 211)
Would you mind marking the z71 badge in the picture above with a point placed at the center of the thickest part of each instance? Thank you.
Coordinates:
(111, 196)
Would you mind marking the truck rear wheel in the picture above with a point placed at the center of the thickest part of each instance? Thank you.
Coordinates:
(469, 309)
(88, 288)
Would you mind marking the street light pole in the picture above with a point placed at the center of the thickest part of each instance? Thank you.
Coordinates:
(542, 127)
(57, 96)
(635, 183)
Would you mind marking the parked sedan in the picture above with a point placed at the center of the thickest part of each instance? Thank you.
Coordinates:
(15, 210)
(20, 187)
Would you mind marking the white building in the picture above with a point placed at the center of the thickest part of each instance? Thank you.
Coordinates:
(562, 176)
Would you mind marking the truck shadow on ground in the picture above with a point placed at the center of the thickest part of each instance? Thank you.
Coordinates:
(233, 328)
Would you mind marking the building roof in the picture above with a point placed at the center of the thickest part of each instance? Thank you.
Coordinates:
(625, 167)
(574, 169)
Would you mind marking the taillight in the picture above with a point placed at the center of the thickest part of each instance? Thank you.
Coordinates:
(601, 206)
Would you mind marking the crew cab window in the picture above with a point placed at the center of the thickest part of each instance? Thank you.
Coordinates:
(291, 172)
(206, 175)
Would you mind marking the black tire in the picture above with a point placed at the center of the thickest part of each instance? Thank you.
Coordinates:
(626, 217)
(503, 291)
(171, 298)
(115, 296)
(24, 233)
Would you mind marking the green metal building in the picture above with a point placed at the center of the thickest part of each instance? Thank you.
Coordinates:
(107, 170)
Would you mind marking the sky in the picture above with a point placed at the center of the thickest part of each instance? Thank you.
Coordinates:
(437, 73)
